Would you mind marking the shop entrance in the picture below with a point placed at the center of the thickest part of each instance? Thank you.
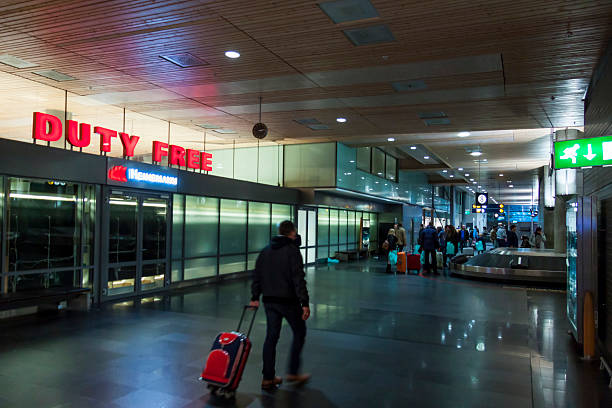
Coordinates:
(135, 255)
(307, 228)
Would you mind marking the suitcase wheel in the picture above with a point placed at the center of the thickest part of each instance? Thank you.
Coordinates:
(222, 392)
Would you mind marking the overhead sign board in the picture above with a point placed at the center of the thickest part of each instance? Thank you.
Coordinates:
(482, 199)
(596, 151)
(128, 173)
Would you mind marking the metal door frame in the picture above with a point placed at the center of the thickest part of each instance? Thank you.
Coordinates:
(140, 195)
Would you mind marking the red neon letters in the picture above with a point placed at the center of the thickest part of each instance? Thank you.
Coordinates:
(49, 128)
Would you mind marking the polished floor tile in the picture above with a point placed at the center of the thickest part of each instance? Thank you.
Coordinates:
(374, 340)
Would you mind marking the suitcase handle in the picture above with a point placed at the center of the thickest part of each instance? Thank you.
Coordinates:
(244, 309)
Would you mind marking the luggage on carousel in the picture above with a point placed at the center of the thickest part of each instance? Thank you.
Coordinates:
(227, 358)
(459, 259)
(469, 251)
(479, 246)
(401, 262)
(413, 263)
(440, 260)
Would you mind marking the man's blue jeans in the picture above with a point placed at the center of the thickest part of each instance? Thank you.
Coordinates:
(275, 312)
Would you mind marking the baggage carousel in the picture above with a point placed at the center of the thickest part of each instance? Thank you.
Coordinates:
(519, 264)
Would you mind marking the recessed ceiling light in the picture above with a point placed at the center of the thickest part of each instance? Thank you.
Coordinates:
(460, 169)
(508, 181)
(412, 147)
(471, 179)
(484, 160)
(232, 54)
(476, 153)
(479, 186)
(351, 161)
(16, 62)
(467, 174)
(463, 134)
(451, 176)
(511, 186)
(444, 171)
(340, 120)
(501, 174)
(390, 139)
(426, 157)
(474, 182)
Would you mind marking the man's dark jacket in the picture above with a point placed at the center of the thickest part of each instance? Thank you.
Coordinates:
(279, 273)
(512, 239)
(429, 238)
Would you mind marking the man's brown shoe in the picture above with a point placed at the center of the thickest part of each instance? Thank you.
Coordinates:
(298, 379)
(271, 384)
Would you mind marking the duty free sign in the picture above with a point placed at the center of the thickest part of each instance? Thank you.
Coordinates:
(595, 151)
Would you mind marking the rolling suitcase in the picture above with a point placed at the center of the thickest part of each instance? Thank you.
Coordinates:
(401, 262)
(413, 263)
(227, 358)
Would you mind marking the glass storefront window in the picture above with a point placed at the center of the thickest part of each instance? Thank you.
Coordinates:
(178, 213)
(245, 164)
(201, 222)
(41, 225)
(232, 239)
(122, 228)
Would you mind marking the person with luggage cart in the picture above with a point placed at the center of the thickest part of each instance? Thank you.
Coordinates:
(279, 277)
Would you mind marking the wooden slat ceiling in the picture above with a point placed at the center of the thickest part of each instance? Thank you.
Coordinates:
(546, 52)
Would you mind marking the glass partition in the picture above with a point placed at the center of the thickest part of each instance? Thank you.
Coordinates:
(378, 162)
(201, 222)
(245, 164)
(310, 165)
(232, 238)
(391, 165)
(259, 226)
(364, 156)
(280, 213)
(178, 228)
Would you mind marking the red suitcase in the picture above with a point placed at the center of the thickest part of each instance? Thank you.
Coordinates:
(413, 262)
(227, 358)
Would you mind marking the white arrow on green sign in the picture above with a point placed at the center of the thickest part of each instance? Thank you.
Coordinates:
(596, 151)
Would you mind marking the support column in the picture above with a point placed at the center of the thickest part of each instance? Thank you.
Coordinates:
(560, 229)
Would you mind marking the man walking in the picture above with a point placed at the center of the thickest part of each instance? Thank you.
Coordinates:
(279, 276)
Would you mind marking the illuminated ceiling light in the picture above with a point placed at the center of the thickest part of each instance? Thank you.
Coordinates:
(474, 183)
(463, 134)
(479, 186)
(341, 120)
(412, 147)
(232, 54)
(471, 179)
(508, 181)
(460, 169)
(451, 176)
(426, 157)
(511, 186)
(467, 174)
(444, 171)
(476, 153)
(351, 161)
(390, 139)
(501, 174)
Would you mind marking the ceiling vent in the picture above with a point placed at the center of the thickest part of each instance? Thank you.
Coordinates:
(308, 121)
(184, 60)
(318, 127)
(15, 62)
(224, 131)
(437, 121)
(208, 126)
(54, 75)
(342, 11)
(369, 35)
(431, 115)
(403, 86)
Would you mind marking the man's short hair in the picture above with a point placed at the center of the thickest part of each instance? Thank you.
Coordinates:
(513, 226)
(286, 228)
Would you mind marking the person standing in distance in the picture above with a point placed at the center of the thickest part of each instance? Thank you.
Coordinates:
(402, 240)
(279, 276)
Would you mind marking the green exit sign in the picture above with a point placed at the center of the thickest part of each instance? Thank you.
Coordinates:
(468, 212)
(596, 151)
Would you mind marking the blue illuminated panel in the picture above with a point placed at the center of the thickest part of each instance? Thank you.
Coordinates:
(128, 173)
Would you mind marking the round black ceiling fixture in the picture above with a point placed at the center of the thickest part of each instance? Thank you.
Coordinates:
(260, 130)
